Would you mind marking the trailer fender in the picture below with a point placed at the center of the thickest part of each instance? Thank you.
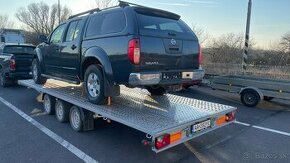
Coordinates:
(254, 89)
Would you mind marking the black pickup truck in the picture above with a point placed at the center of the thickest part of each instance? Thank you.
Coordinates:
(127, 44)
(15, 62)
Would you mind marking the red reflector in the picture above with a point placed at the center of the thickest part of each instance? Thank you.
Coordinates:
(199, 55)
(12, 64)
(230, 116)
(162, 141)
(134, 51)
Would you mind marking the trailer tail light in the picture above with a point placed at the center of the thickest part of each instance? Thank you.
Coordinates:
(162, 141)
(12, 64)
(226, 118)
(134, 51)
(199, 55)
(230, 116)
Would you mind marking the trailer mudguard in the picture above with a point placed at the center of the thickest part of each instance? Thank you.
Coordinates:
(254, 89)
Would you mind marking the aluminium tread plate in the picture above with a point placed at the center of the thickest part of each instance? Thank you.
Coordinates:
(136, 108)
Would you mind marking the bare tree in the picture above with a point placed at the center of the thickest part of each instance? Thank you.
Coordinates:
(202, 35)
(226, 49)
(285, 42)
(42, 18)
(5, 22)
(105, 3)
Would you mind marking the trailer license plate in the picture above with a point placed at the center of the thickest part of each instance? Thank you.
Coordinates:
(201, 126)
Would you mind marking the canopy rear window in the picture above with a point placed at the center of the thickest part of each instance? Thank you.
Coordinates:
(18, 49)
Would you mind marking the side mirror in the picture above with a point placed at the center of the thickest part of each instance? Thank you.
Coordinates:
(42, 38)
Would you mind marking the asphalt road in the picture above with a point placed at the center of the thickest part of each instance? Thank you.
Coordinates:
(265, 140)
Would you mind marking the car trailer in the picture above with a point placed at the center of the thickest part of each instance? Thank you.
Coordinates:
(252, 89)
(166, 121)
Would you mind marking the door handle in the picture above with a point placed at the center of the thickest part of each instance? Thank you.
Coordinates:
(73, 47)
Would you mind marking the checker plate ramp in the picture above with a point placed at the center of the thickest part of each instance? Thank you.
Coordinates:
(136, 108)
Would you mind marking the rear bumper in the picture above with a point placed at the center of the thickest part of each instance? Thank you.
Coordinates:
(155, 78)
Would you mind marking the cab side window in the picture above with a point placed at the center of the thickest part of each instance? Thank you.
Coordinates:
(73, 31)
(57, 34)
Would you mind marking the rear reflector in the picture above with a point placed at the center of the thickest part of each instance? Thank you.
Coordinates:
(12, 64)
(162, 141)
(134, 51)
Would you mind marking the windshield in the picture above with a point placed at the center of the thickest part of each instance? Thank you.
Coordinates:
(19, 49)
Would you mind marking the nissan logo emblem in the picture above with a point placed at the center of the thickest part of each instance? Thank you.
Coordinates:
(173, 42)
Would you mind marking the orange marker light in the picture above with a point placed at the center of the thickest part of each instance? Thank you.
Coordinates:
(221, 120)
(175, 137)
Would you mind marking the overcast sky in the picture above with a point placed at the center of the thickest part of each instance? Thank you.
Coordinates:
(270, 18)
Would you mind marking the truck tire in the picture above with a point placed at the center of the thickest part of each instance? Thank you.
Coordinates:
(75, 119)
(3, 80)
(62, 110)
(49, 104)
(156, 90)
(36, 72)
(250, 98)
(94, 85)
(267, 98)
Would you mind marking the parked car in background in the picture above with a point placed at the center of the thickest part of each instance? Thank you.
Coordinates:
(15, 62)
(130, 45)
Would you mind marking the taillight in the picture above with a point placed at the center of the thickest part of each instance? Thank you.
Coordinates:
(134, 51)
(162, 141)
(230, 116)
(12, 64)
(199, 55)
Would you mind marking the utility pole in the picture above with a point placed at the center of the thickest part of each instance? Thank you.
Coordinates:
(58, 6)
(246, 48)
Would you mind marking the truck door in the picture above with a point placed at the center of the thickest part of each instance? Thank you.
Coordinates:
(52, 51)
(70, 50)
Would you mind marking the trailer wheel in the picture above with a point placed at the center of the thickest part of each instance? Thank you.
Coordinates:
(49, 104)
(36, 72)
(94, 85)
(62, 111)
(267, 98)
(250, 98)
(75, 119)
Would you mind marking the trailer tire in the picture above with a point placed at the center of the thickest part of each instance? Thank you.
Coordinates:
(156, 90)
(75, 119)
(36, 72)
(62, 110)
(49, 104)
(267, 98)
(250, 97)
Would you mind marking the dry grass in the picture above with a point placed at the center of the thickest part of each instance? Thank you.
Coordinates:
(273, 72)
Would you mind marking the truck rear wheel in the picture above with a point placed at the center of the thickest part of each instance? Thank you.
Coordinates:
(36, 72)
(3, 80)
(156, 90)
(94, 85)
(250, 98)
(62, 111)
(75, 119)
(49, 104)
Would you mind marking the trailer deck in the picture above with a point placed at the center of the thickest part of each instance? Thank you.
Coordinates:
(155, 116)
